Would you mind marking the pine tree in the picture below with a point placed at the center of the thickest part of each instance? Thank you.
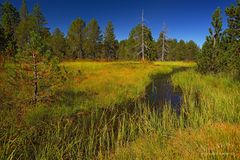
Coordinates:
(216, 33)
(34, 22)
(75, 38)
(233, 13)
(93, 39)
(23, 31)
(191, 50)
(172, 49)
(2, 40)
(1, 11)
(57, 43)
(122, 51)
(37, 13)
(135, 40)
(233, 37)
(208, 60)
(110, 42)
(40, 21)
(9, 21)
(23, 11)
(181, 50)
(38, 72)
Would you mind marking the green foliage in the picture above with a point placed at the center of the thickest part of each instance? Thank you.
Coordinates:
(192, 50)
(208, 58)
(33, 22)
(233, 35)
(40, 22)
(233, 13)
(2, 41)
(123, 50)
(75, 39)
(9, 21)
(23, 31)
(173, 50)
(40, 19)
(81, 41)
(220, 52)
(36, 70)
(110, 42)
(183, 51)
(58, 44)
(93, 39)
(131, 48)
(215, 35)
(23, 10)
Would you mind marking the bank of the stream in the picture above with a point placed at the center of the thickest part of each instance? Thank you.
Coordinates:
(120, 126)
(207, 128)
(98, 112)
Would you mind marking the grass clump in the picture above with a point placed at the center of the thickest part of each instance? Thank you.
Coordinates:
(98, 115)
(207, 127)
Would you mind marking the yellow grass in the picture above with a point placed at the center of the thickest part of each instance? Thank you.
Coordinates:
(212, 141)
(115, 82)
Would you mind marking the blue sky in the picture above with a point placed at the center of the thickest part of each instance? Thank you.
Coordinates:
(185, 19)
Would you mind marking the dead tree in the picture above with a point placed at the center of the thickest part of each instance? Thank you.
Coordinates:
(143, 44)
(35, 72)
(164, 43)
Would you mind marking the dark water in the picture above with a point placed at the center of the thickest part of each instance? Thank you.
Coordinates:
(161, 92)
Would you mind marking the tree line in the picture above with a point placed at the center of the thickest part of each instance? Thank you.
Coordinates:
(83, 40)
(221, 50)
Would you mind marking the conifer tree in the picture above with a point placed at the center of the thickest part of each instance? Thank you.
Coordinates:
(58, 43)
(23, 31)
(38, 15)
(233, 36)
(135, 40)
(23, 10)
(172, 49)
(123, 51)
(9, 21)
(110, 42)
(93, 39)
(2, 40)
(208, 60)
(233, 13)
(191, 50)
(37, 70)
(75, 38)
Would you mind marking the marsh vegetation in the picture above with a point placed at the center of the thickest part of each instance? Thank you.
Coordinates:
(87, 95)
(87, 123)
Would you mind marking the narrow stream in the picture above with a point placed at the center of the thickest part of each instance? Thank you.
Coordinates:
(161, 92)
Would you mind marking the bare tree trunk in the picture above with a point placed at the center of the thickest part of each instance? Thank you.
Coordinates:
(214, 41)
(2, 60)
(143, 45)
(163, 47)
(35, 78)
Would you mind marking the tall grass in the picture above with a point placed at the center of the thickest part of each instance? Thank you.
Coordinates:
(104, 84)
(208, 126)
(95, 116)
(97, 133)
(99, 117)
(209, 98)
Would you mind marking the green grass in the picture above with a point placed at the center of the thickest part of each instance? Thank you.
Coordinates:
(98, 115)
(207, 128)
(211, 98)
(108, 83)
